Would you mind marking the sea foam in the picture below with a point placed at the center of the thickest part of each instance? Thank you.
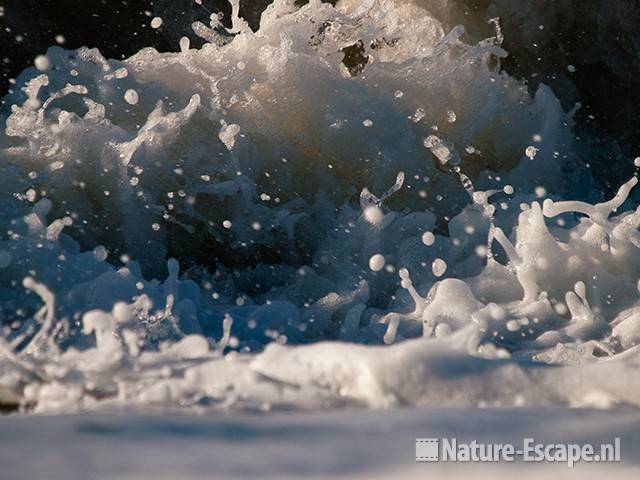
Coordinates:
(341, 180)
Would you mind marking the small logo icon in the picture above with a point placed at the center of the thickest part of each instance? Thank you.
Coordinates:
(427, 449)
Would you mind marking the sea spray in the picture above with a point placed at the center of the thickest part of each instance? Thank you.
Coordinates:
(184, 245)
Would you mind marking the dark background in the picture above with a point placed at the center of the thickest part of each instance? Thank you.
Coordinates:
(600, 38)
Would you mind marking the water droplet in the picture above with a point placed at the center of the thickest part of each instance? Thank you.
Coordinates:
(428, 238)
(451, 116)
(42, 63)
(100, 253)
(419, 115)
(531, 152)
(131, 97)
(439, 267)
(184, 44)
(376, 262)
(441, 149)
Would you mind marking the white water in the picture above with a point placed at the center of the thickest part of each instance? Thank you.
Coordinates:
(302, 202)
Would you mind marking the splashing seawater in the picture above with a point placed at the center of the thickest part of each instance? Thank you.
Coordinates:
(243, 160)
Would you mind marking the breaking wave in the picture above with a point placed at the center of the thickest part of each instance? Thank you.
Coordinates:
(343, 179)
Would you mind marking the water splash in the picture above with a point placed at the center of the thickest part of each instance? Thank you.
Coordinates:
(244, 159)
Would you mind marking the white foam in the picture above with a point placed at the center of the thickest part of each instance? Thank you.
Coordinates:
(245, 159)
